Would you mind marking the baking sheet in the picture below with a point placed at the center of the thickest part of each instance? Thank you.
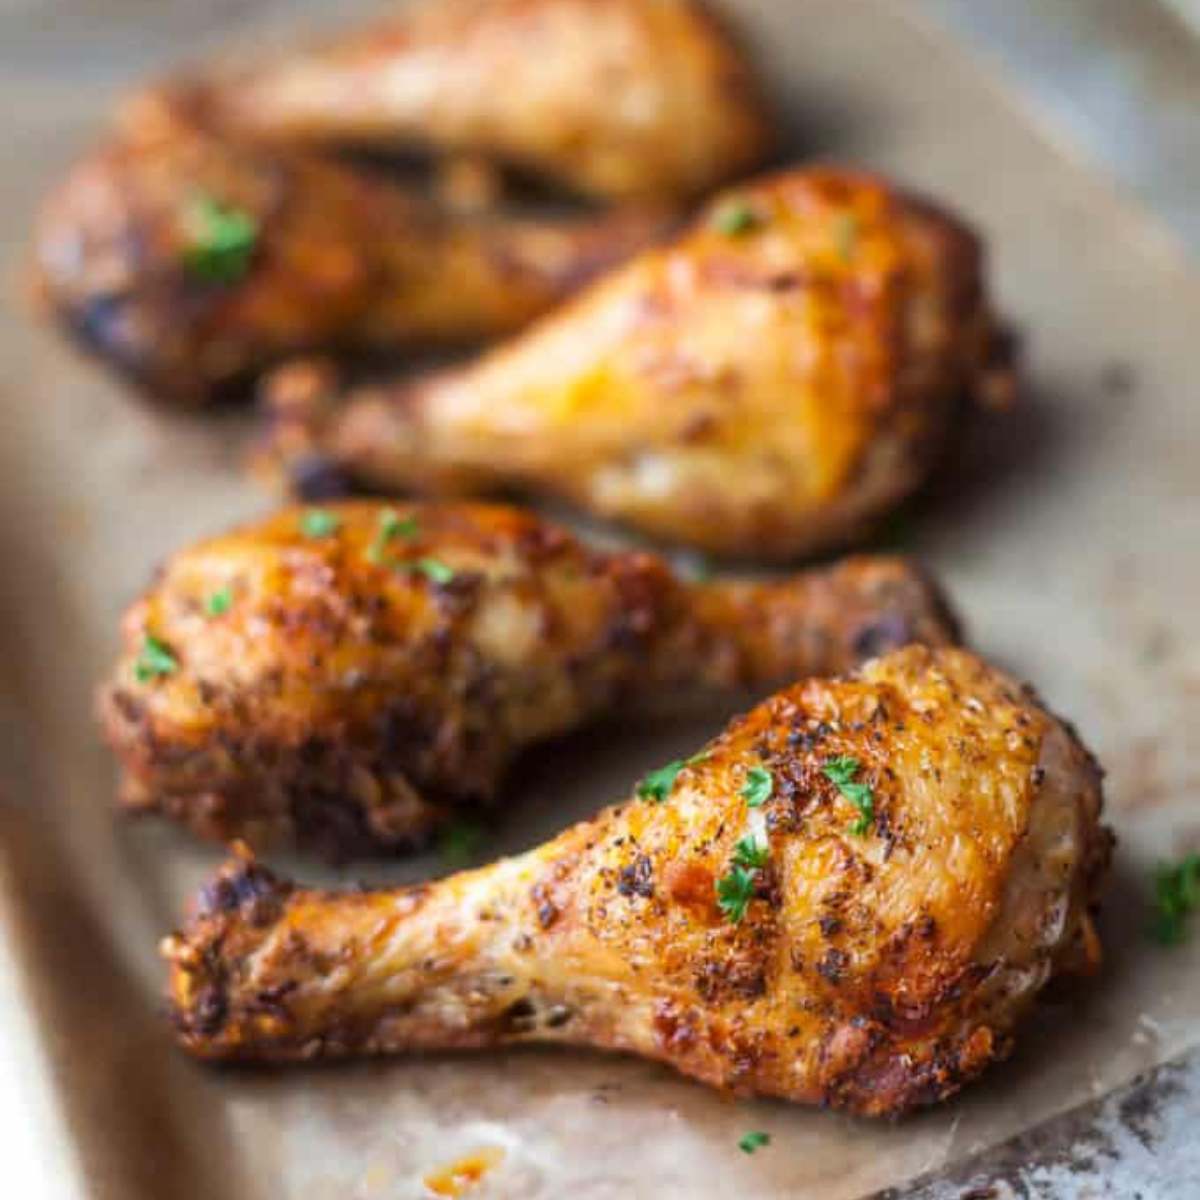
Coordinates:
(1069, 540)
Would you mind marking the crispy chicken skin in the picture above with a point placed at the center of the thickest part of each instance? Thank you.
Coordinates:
(766, 385)
(873, 971)
(351, 688)
(341, 260)
(615, 98)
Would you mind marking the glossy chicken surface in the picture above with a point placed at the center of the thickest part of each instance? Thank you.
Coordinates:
(616, 98)
(343, 677)
(768, 384)
(128, 255)
(876, 952)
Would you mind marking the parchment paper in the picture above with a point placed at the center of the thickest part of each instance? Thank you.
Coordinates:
(1068, 536)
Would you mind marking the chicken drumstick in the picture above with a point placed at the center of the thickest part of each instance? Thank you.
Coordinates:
(616, 98)
(848, 898)
(343, 676)
(190, 259)
(770, 383)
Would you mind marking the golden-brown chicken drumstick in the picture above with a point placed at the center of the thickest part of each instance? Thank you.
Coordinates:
(617, 98)
(343, 676)
(768, 384)
(189, 259)
(849, 898)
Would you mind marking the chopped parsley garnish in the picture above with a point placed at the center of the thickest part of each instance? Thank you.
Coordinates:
(391, 527)
(222, 240)
(433, 569)
(459, 843)
(841, 771)
(405, 527)
(734, 218)
(754, 1140)
(154, 659)
(751, 854)
(219, 602)
(845, 233)
(319, 523)
(657, 784)
(1176, 895)
(735, 890)
(756, 791)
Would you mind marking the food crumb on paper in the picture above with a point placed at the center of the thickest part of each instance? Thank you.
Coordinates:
(456, 1178)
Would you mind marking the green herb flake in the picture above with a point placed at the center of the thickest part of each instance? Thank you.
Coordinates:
(751, 854)
(154, 659)
(392, 526)
(219, 602)
(754, 1140)
(841, 771)
(1176, 896)
(433, 569)
(222, 240)
(658, 784)
(319, 523)
(757, 789)
(459, 844)
(845, 234)
(734, 218)
(735, 890)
